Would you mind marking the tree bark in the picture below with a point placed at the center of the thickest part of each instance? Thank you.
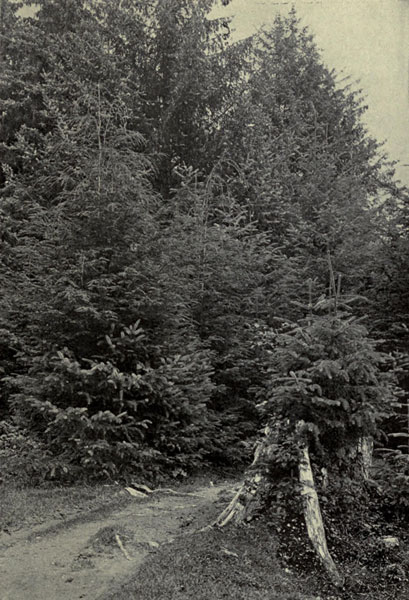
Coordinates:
(2, 19)
(313, 517)
(360, 458)
(365, 451)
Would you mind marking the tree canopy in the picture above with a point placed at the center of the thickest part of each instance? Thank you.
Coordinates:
(166, 193)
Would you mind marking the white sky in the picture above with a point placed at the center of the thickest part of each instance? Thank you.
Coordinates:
(366, 39)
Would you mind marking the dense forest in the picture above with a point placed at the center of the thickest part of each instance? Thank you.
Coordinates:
(200, 242)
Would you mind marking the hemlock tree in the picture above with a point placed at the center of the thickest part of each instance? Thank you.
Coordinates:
(328, 391)
(96, 249)
(86, 253)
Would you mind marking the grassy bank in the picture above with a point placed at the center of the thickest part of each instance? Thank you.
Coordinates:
(232, 564)
(245, 563)
(23, 506)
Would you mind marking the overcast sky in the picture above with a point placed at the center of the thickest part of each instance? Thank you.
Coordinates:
(366, 39)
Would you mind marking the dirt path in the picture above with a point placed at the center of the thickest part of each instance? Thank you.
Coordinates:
(83, 559)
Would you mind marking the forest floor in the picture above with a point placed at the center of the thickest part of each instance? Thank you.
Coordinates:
(102, 543)
(78, 554)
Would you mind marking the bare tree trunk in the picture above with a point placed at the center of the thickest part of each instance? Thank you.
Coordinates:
(365, 451)
(360, 458)
(2, 19)
(313, 517)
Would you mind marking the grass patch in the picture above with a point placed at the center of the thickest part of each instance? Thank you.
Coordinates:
(25, 506)
(244, 563)
(231, 564)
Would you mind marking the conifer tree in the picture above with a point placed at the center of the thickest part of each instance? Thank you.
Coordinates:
(305, 169)
(329, 389)
(165, 194)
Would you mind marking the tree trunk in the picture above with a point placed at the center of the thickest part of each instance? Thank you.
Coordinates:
(360, 458)
(250, 500)
(365, 451)
(2, 19)
(313, 517)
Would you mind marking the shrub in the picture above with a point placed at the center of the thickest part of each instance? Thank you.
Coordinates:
(392, 476)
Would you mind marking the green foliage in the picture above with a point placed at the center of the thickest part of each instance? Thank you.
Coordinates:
(303, 166)
(328, 375)
(23, 456)
(392, 477)
(117, 416)
(165, 194)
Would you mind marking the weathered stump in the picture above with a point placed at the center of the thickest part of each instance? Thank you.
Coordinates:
(313, 516)
(250, 499)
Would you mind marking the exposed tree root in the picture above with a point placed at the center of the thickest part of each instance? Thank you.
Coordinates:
(121, 547)
(147, 491)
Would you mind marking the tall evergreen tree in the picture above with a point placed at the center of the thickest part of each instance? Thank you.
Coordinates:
(165, 194)
(301, 161)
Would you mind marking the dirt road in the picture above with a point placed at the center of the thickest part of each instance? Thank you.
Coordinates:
(84, 557)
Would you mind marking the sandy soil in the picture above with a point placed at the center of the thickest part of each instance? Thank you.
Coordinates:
(83, 558)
